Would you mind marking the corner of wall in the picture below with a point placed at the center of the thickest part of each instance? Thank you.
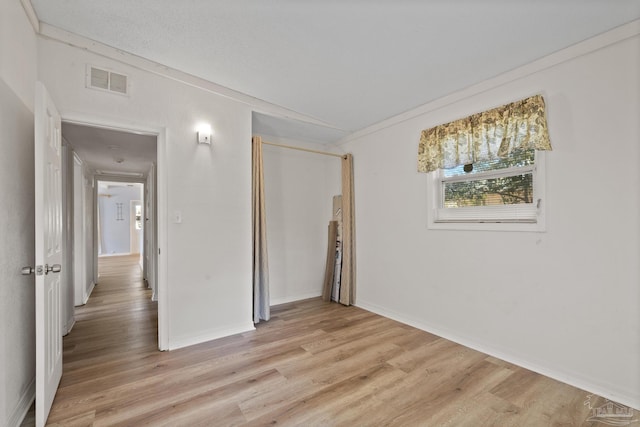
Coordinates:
(210, 335)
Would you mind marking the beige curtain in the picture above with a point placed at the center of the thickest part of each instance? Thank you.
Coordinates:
(348, 276)
(488, 135)
(261, 309)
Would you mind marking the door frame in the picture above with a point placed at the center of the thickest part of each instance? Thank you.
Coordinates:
(150, 262)
(79, 229)
(161, 245)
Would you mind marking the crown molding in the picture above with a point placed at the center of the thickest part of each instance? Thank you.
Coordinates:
(56, 34)
(582, 48)
(31, 15)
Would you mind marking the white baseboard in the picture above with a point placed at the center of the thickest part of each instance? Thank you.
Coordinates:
(211, 335)
(288, 298)
(93, 285)
(69, 325)
(629, 398)
(21, 409)
(118, 254)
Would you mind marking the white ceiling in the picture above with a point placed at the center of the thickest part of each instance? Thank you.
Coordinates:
(347, 63)
(111, 150)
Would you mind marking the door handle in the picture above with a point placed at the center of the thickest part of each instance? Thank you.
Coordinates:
(55, 268)
(30, 270)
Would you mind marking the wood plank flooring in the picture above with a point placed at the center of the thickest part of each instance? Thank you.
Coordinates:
(313, 364)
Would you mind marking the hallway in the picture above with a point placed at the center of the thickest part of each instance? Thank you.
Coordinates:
(119, 316)
(114, 338)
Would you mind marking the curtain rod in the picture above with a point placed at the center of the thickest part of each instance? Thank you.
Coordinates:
(304, 149)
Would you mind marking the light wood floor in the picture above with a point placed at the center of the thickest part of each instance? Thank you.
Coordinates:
(314, 363)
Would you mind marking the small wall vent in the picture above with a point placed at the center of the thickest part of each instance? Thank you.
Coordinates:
(106, 80)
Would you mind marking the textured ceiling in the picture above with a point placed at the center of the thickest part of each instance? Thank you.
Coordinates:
(111, 150)
(347, 63)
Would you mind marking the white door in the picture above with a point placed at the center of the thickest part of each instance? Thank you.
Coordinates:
(48, 212)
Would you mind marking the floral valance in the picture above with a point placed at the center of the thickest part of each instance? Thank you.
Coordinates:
(484, 136)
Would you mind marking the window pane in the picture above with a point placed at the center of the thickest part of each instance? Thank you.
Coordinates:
(518, 158)
(509, 190)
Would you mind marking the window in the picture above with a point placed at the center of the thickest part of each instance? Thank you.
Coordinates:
(487, 169)
(498, 194)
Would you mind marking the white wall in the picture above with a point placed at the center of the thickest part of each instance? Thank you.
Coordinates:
(299, 188)
(18, 62)
(116, 234)
(67, 294)
(150, 230)
(18, 59)
(565, 302)
(208, 257)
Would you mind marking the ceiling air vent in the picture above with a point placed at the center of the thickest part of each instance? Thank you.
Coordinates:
(100, 79)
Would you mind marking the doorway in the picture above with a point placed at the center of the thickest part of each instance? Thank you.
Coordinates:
(113, 178)
(120, 226)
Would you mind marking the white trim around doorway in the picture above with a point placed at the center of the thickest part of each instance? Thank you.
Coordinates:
(162, 213)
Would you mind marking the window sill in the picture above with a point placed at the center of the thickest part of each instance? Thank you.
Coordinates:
(536, 227)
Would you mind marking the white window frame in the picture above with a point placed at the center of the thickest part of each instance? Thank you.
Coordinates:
(520, 217)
